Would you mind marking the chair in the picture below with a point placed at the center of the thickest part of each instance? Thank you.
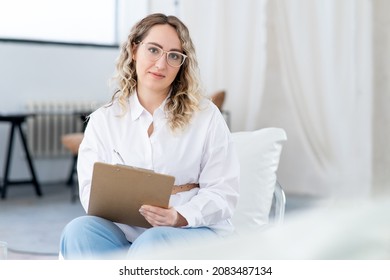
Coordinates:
(260, 207)
(72, 142)
(218, 98)
(262, 199)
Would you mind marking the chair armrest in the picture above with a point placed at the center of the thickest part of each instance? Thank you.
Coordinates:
(278, 207)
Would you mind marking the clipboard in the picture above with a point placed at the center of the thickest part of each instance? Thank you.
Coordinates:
(118, 192)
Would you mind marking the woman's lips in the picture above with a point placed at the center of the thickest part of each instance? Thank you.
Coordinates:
(157, 75)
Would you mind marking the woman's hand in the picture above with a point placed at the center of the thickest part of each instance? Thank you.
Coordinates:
(158, 216)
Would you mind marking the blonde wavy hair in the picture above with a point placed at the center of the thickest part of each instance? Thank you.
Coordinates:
(186, 89)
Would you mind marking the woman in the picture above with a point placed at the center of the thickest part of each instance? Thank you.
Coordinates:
(158, 119)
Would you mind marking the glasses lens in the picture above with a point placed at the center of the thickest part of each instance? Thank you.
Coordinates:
(153, 52)
(175, 59)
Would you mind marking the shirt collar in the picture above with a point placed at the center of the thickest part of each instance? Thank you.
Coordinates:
(136, 109)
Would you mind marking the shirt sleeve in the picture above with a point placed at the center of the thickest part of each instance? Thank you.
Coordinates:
(91, 150)
(218, 179)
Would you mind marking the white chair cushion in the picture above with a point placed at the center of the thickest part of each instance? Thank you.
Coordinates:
(259, 153)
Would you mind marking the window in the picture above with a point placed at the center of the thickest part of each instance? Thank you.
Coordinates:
(67, 21)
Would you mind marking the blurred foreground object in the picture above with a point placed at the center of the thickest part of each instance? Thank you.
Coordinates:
(341, 230)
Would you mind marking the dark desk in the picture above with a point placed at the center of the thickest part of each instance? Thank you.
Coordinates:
(16, 121)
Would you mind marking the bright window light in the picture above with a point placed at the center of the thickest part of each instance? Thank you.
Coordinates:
(72, 21)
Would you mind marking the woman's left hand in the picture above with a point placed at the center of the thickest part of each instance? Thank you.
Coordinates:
(158, 216)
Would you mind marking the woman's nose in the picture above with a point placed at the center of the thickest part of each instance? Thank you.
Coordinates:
(162, 61)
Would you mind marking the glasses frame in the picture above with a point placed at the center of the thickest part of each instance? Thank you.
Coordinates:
(166, 53)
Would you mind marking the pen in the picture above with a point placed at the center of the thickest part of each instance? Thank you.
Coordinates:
(119, 156)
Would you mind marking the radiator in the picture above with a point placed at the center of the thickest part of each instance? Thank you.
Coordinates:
(51, 120)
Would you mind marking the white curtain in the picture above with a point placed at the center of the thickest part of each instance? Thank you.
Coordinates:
(325, 55)
(320, 90)
(230, 39)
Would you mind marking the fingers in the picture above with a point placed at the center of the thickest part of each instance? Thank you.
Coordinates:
(157, 216)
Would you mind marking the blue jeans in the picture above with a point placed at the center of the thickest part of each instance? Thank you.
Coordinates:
(90, 237)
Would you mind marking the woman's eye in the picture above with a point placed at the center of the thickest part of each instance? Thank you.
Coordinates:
(174, 56)
(153, 50)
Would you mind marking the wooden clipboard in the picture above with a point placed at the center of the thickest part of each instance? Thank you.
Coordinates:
(118, 192)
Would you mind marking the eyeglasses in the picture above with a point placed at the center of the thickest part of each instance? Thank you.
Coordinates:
(154, 53)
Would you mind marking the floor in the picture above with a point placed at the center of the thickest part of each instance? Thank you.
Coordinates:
(32, 225)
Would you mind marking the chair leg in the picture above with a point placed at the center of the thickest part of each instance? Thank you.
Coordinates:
(71, 182)
(8, 162)
(73, 170)
(74, 194)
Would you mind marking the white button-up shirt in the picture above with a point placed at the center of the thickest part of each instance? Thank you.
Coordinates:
(203, 153)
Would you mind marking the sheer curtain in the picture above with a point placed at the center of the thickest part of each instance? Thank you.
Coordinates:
(325, 55)
(323, 52)
(230, 39)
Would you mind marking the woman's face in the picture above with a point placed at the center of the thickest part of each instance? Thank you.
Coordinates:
(156, 76)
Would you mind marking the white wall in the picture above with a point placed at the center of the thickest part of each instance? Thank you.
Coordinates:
(34, 72)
